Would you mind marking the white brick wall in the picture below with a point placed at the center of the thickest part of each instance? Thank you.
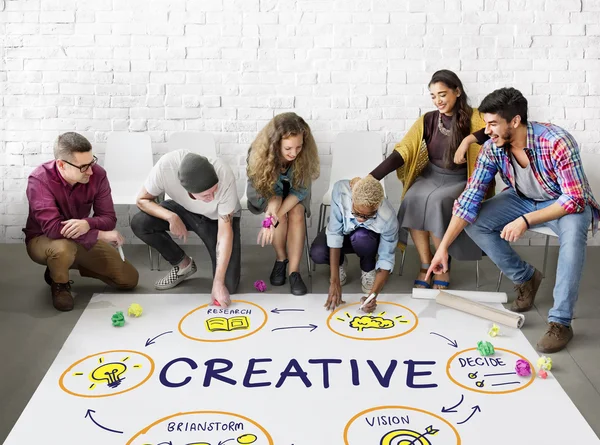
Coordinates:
(227, 66)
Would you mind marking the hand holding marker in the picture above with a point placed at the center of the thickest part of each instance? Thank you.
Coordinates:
(367, 301)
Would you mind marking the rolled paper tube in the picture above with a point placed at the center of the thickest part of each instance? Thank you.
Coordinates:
(482, 297)
(502, 316)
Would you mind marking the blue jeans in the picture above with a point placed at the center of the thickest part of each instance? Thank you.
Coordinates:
(572, 235)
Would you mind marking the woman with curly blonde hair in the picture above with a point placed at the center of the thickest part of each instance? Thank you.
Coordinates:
(363, 222)
(282, 163)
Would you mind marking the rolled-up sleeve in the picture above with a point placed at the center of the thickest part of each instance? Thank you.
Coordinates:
(43, 208)
(570, 175)
(335, 227)
(299, 193)
(104, 217)
(469, 202)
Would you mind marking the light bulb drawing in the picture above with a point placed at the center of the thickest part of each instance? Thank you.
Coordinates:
(111, 373)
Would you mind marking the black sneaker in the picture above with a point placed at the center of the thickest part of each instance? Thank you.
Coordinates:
(279, 273)
(297, 286)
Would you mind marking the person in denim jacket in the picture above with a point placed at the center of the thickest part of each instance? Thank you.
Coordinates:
(282, 163)
(363, 222)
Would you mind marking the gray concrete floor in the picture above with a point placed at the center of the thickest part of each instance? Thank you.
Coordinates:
(33, 333)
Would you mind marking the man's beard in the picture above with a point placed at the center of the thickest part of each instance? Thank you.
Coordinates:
(507, 137)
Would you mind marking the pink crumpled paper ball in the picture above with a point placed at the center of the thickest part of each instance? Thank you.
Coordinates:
(267, 222)
(260, 286)
(523, 368)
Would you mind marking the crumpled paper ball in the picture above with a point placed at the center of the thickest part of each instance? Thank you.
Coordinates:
(523, 368)
(135, 310)
(545, 363)
(494, 331)
(485, 348)
(118, 320)
(260, 286)
(542, 374)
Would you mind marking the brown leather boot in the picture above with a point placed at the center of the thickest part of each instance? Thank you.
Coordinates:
(526, 293)
(556, 338)
(61, 296)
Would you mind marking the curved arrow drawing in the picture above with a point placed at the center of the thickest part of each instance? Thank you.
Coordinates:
(475, 409)
(313, 326)
(89, 414)
(150, 341)
(451, 409)
(452, 343)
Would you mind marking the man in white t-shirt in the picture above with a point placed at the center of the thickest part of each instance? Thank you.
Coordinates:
(203, 199)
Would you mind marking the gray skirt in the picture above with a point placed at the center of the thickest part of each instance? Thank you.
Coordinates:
(427, 206)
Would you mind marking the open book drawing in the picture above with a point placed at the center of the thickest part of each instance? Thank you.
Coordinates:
(227, 324)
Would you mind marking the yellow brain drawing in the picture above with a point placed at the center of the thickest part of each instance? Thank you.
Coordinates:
(370, 322)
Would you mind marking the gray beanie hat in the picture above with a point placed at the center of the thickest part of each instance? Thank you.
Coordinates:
(197, 174)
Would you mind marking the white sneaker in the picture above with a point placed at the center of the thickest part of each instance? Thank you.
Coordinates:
(367, 280)
(343, 276)
(176, 276)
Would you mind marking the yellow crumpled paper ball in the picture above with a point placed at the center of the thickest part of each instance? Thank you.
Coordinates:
(494, 330)
(135, 310)
(545, 363)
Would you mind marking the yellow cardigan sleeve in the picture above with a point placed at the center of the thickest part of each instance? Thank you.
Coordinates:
(409, 147)
(477, 123)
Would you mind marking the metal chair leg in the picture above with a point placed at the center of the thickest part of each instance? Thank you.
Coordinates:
(321, 215)
(499, 282)
(150, 258)
(401, 269)
(307, 246)
(324, 220)
(477, 275)
(314, 266)
(546, 256)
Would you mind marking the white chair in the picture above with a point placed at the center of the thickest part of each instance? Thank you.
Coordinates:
(352, 154)
(201, 143)
(127, 162)
(591, 160)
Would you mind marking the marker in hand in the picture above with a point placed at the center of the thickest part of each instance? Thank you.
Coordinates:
(367, 301)
(121, 253)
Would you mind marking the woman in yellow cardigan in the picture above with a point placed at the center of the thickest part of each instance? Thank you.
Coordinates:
(425, 163)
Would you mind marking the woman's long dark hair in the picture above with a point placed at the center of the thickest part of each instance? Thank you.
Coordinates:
(461, 117)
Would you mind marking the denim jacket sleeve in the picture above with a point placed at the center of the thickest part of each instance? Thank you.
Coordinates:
(388, 241)
(335, 227)
(299, 193)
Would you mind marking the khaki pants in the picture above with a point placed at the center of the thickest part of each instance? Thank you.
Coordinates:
(102, 261)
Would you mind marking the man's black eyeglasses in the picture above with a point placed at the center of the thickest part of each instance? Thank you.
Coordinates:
(82, 168)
